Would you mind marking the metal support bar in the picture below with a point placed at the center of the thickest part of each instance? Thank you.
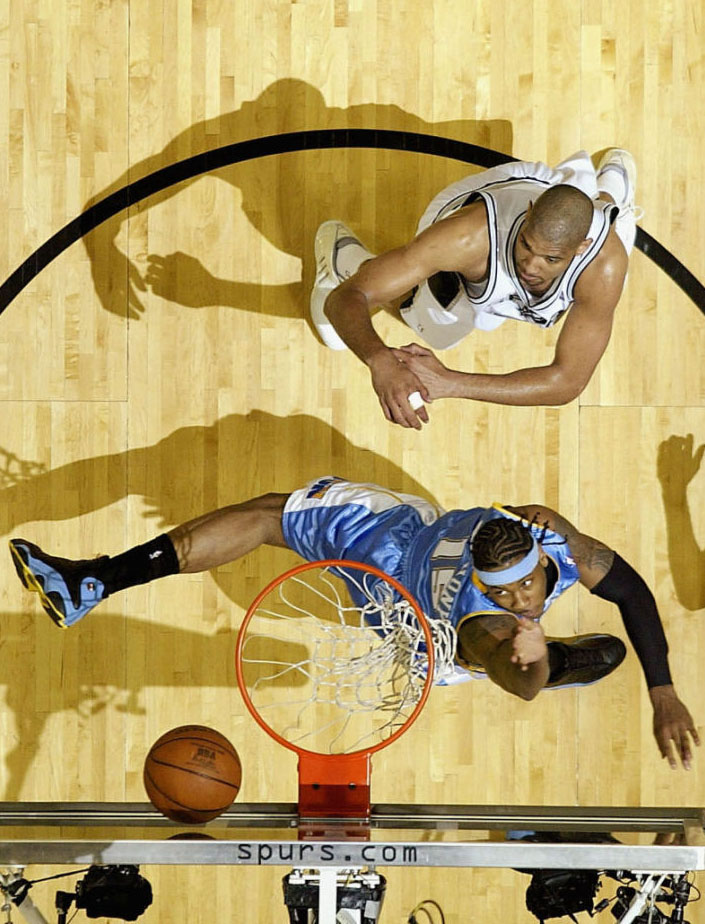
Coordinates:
(400, 816)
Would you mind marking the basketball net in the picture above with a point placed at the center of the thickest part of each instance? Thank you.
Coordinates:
(335, 661)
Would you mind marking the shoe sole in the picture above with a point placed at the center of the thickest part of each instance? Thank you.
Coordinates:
(33, 583)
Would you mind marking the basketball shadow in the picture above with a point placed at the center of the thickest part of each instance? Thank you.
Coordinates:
(302, 190)
(678, 462)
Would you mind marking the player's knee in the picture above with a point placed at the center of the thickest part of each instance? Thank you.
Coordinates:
(273, 501)
(269, 509)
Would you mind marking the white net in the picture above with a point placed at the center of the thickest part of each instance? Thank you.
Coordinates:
(334, 660)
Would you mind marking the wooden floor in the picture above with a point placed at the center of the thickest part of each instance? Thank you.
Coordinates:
(128, 407)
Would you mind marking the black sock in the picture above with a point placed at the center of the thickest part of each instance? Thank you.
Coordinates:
(556, 660)
(138, 565)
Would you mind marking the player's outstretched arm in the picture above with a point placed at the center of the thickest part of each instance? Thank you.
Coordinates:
(677, 464)
(582, 341)
(349, 308)
(382, 281)
(512, 651)
(605, 573)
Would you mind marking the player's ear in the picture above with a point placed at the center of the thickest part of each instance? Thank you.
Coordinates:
(583, 245)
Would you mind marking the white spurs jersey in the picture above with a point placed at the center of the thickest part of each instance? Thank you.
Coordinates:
(507, 191)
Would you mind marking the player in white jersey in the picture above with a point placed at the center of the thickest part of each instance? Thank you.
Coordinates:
(521, 241)
(489, 573)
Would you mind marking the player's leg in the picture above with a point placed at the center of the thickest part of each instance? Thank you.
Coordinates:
(616, 181)
(69, 589)
(227, 534)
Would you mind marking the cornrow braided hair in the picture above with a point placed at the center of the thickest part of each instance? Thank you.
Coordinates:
(499, 541)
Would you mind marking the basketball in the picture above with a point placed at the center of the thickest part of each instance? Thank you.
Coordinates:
(192, 774)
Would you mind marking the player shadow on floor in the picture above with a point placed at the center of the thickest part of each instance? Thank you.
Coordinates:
(284, 198)
(678, 462)
(193, 470)
(87, 671)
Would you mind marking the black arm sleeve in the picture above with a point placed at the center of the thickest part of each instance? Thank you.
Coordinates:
(623, 586)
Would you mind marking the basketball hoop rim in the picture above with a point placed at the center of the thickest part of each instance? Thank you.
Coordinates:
(329, 563)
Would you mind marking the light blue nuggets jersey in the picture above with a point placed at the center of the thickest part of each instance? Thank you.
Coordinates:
(425, 549)
(441, 562)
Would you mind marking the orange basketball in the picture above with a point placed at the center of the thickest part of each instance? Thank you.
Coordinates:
(192, 774)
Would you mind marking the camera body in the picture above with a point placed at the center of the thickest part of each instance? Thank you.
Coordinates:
(109, 892)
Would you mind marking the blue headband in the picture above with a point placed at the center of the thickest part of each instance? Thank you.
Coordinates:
(514, 573)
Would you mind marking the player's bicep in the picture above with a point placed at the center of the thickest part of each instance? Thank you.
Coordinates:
(396, 272)
(582, 341)
(587, 328)
(387, 277)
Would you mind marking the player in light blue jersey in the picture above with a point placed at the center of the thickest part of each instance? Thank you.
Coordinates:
(491, 572)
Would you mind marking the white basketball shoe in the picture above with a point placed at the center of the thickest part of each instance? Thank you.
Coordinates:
(616, 175)
(331, 270)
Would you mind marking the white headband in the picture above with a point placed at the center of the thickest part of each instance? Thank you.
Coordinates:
(515, 572)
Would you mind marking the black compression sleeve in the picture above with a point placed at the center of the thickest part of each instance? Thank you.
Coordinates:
(625, 587)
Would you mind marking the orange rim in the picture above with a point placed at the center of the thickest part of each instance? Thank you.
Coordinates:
(331, 563)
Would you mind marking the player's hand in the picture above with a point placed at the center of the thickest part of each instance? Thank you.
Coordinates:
(394, 382)
(529, 644)
(429, 370)
(673, 727)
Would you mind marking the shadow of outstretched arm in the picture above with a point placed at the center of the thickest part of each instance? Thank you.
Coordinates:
(677, 464)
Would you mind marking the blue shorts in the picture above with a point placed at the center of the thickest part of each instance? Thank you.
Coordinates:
(334, 518)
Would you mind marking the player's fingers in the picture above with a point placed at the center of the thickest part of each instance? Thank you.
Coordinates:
(667, 740)
(411, 419)
(416, 401)
(385, 409)
(686, 755)
(679, 737)
(404, 411)
(668, 754)
(404, 415)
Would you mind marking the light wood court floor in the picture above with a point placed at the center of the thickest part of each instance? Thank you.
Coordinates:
(128, 408)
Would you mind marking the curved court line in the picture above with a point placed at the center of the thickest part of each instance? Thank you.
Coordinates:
(287, 143)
